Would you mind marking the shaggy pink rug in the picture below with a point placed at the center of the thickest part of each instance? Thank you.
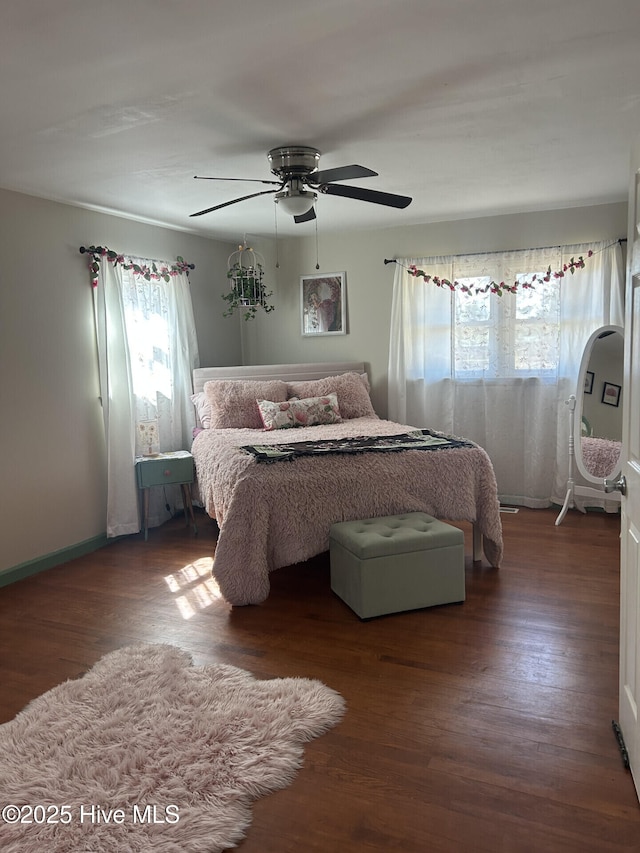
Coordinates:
(147, 752)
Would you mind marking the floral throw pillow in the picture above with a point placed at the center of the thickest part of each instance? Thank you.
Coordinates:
(300, 413)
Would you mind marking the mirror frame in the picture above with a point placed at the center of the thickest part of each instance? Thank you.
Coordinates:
(586, 355)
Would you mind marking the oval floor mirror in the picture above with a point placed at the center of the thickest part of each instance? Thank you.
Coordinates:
(595, 419)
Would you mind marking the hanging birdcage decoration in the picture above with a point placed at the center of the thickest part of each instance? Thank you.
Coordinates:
(245, 271)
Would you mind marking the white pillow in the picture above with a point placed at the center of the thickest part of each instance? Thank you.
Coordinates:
(203, 409)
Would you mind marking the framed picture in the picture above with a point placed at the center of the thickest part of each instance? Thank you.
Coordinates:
(611, 394)
(588, 382)
(323, 303)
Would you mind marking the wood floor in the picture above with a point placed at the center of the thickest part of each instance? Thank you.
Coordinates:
(477, 727)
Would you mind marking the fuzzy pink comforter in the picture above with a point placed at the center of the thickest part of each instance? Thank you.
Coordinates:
(278, 514)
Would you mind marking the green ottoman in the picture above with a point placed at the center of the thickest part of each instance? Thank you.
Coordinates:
(396, 562)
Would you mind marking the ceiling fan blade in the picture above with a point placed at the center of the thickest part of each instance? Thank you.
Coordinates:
(233, 201)
(246, 180)
(361, 194)
(342, 173)
(309, 216)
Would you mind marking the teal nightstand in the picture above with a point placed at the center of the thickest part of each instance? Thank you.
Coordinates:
(174, 467)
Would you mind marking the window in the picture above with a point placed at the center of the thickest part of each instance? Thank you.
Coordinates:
(146, 315)
(147, 349)
(498, 369)
(508, 336)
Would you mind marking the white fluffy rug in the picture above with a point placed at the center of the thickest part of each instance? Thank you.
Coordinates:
(147, 752)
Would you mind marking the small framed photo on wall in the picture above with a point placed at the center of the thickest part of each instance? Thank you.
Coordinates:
(611, 394)
(588, 382)
(323, 303)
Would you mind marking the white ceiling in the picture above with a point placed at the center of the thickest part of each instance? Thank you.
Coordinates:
(473, 108)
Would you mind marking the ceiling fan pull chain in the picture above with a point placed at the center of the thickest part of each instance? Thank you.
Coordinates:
(275, 222)
(317, 260)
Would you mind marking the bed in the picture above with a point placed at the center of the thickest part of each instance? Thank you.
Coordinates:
(275, 492)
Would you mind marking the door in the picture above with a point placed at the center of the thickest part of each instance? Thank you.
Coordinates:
(630, 520)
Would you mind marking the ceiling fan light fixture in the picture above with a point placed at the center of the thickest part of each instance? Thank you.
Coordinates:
(295, 203)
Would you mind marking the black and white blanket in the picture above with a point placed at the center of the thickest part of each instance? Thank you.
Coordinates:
(420, 439)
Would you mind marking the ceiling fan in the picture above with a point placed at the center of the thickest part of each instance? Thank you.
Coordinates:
(300, 181)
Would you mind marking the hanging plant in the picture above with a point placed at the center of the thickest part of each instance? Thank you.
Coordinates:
(248, 292)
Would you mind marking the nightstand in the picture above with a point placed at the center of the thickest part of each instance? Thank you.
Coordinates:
(165, 468)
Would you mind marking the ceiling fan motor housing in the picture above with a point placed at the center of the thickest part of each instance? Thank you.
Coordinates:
(293, 161)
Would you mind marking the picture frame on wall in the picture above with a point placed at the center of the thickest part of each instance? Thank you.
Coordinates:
(611, 394)
(588, 382)
(323, 304)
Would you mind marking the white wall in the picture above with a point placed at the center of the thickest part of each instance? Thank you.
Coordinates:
(51, 431)
(276, 337)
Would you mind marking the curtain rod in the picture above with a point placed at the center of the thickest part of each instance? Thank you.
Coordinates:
(92, 250)
(503, 251)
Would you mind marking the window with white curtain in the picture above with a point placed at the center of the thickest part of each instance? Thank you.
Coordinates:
(147, 349)
(151, 356)
(497, 368)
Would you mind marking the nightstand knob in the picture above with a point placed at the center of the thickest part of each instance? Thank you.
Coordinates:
(167, 473)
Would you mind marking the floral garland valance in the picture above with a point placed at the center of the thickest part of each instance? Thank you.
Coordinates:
(499, 288)
(150, 270)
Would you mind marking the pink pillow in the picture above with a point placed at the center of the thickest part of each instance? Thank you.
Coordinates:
(353, 396)
(299, 413)
(234, 404)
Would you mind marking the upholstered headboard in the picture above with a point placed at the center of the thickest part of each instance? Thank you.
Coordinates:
(286, 372)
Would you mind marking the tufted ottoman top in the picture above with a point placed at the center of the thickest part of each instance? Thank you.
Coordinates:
(395, 534)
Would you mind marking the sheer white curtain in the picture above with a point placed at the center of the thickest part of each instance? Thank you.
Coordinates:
(594, 299)
(147, 348)
(497, 369)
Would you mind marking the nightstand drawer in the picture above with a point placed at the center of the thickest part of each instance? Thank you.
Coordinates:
(164, 469)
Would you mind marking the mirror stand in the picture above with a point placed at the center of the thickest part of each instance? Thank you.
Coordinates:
(572, 489)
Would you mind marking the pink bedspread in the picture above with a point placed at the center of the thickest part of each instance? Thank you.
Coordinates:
(277, 514)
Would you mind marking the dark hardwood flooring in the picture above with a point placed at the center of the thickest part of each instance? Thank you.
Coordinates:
(477, 727)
